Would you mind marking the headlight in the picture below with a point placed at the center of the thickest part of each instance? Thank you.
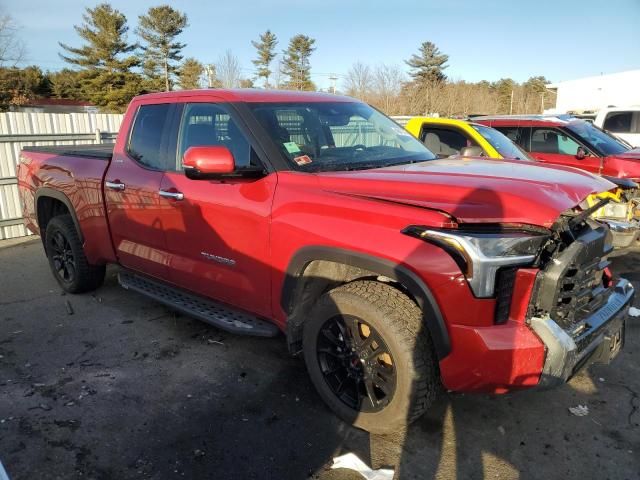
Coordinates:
(481, 255)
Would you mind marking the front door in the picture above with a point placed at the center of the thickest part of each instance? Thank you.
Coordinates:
(551, 145)
(218, 230)
(131, 189)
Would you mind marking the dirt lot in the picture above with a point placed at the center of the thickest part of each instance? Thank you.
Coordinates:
(111, 385)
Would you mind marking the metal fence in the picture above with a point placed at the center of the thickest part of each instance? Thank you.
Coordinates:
(18, 130)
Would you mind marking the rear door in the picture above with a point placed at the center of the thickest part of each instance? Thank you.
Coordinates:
(217, 231)
(131, 189)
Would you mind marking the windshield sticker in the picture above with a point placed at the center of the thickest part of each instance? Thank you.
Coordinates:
(303, 160)
(292, 147)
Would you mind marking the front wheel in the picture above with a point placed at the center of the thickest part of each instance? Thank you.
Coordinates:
(67, 260)
(370, 357)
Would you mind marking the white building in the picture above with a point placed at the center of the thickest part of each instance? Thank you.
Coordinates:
(593, 93)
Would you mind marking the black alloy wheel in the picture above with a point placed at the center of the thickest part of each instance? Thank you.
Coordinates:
(356, 363)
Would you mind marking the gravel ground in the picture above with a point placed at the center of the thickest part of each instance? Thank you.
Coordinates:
(111, 385)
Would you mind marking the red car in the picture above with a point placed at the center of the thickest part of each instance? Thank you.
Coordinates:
(315, 215)
(564, 140)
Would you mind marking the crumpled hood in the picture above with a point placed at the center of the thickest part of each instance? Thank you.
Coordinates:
(475, 190)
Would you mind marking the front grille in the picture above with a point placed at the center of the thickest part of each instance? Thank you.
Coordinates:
(571, 287)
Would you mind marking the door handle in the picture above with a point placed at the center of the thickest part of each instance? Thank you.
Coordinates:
(115, 185)
(171, 195)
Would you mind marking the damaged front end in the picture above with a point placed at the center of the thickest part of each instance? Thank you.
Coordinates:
(620, 213)
(577, 309)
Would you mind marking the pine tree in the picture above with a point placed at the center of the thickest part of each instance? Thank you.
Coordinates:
(190, 74)
(296, 65)
(428, 65)
(159, 29)
(106, 58)
(266, 53)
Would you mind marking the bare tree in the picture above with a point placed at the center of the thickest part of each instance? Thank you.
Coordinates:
(387, 83)
(228, 70)
(12, 49)
(359, 81)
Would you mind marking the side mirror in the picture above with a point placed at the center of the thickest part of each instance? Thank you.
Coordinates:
(581, 153)
(207, 161)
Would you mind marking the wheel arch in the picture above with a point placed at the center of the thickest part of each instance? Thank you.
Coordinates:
(313, 269)
(45, 209)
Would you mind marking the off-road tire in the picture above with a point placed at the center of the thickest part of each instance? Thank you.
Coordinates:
(398, 320)
(86, 277)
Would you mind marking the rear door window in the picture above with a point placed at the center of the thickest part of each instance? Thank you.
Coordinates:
(148, 135)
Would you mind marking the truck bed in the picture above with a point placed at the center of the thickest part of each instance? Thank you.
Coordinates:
(101, 151)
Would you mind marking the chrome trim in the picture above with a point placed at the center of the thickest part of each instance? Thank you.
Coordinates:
(171, 195)
(115, 186)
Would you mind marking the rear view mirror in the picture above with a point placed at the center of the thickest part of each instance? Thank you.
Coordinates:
(207, 161)
(581, 153)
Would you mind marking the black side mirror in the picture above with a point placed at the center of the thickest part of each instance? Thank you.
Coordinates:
(581, 153)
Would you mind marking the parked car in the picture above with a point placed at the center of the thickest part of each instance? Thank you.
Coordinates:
(624, 123)
(452, 137)
(316, 215)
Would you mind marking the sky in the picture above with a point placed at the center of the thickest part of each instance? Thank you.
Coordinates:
(485, 39)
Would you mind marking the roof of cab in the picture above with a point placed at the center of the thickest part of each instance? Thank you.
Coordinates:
(249, 95)
(524, 120)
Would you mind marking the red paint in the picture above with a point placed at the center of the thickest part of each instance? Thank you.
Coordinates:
(624, 165)
(232, 239)
(214, 159)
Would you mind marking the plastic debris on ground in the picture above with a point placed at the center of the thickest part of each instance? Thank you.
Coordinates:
(579, 410)
(351, 461)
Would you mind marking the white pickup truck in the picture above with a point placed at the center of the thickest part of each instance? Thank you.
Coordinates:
(623, 122)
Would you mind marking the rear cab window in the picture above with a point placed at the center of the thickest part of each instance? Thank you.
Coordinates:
(148, 137)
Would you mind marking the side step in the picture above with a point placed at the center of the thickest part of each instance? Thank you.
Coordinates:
(209, 311)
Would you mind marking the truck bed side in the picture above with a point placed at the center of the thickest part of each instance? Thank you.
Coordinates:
(54, 179)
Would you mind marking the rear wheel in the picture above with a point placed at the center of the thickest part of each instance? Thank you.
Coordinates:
(67, 259)
(369, 356)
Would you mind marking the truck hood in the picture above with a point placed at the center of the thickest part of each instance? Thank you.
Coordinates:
(474, 190)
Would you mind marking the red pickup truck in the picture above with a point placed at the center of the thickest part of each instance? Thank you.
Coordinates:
(565, 140)
(391, 271)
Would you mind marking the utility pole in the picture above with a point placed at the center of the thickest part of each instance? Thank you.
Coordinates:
(210, 74)
(333, 77)
(511, 103)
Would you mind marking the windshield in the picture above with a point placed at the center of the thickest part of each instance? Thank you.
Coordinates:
(328, 136)
(502, 144)
(601, 141)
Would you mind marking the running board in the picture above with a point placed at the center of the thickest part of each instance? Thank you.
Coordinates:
(209, 311)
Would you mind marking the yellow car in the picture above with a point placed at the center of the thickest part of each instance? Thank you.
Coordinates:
(447, 137)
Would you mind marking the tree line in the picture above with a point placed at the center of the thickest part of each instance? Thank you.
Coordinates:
(107, 69)
(428, 91)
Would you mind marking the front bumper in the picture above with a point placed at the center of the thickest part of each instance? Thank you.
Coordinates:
(598, 338)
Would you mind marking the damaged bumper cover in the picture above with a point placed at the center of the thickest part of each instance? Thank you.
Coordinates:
(596, 339)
